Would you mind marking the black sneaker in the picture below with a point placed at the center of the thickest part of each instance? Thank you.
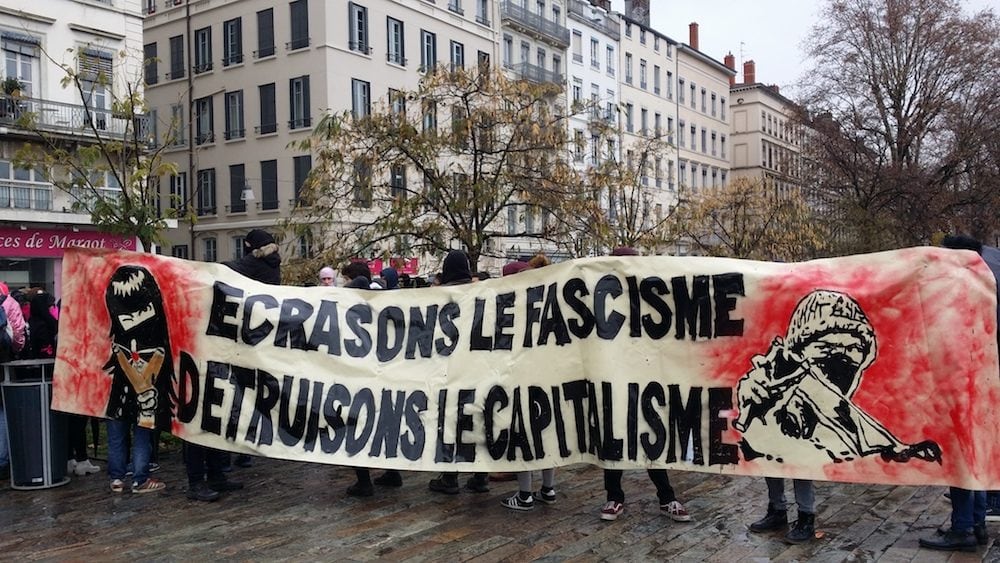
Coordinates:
(201, 491)
(225, 485)
(478, 484)
(361, 490)
(515, 502)
(442, 485)
(390, 478)
(548, 496)
(803, 530)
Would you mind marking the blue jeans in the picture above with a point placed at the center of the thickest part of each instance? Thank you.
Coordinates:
(967, 509)
(142, 446)
(805, 494)
(4, 452)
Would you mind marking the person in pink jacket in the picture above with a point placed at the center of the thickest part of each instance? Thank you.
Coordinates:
(15, 319)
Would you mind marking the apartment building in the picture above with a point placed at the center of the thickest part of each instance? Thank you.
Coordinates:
(36, 38)
(246, 79)
(766, 139)
(648, 108)
(703, 117)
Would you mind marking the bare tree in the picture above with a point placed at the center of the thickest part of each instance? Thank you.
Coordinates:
(899, 113)
(104, 155)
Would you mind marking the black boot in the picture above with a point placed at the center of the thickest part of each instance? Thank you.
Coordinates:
(775, 519)
(803, 530)
(478, 483)
(979, 531)
(201, 491)
(391, 478)
(446, 483)
(950, 541)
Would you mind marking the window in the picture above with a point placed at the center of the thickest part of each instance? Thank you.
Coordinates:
(680, 90)
(299, 11)
(628, 29)
(361, 98)
(577, 90)
(644, 121)
(508, 51)
(610, 62)
(642, 35)
(595, 149)
(232, 46)
(428, 51)
(268, 112)
(658, 170)
(202, 50)
(657, 124)
(577, 47)
(557, 65)
(722, 109)
(680, 131)
(694, 101)
(670, 129)
(714, 104)
(682, 173)
(483, 60)
(656, 43)
(298, 98)
(595, 53)
(483, 12)
(642, 74)
(301, 165)
(540, 57)
(397, 102)
(704, 140)
(306, 245)
(694, 138)
(397, 181)
(149, 63)
(713, 143)
(362, 182)
(177, 125)
(204, 126)
(237, 248)
(265, 33)
(578, 145)
(177, 57)
(206, 192)
(456, 6)
(210, 248)
(234, 115)
(357, 16)
(629, 110)
(179, 251)
(656, 79)
(396, 42)
(704, 106)
(628, 68)
(722, 146)
(178, 193)
(670, 85)
(237, 182)
(457, 55)
(269, 184)
(429, 117)
(511, 219)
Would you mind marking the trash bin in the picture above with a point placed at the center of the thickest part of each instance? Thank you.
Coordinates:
(37, 435)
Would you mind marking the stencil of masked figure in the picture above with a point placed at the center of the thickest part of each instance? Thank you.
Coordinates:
(796, 399)
(140, 363)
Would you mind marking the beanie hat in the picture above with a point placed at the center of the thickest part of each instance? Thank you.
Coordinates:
(327, 272)
(257, 238)
(511, 268)
(624, 251)
(830, 312)
(391, 278)
(456, 268)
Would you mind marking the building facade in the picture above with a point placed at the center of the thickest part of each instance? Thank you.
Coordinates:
(94, 38)
(766, 139)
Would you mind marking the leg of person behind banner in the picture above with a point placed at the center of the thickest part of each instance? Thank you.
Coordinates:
(968, 526)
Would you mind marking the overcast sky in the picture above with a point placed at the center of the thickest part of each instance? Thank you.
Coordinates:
(770, 32)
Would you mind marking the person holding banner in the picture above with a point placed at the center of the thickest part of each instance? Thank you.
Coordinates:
(327, 277)
(615, 504)
(456, 271)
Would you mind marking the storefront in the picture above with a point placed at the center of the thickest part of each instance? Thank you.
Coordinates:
(32, 256)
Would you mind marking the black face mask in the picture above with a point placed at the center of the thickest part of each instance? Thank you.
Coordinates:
(839, 369)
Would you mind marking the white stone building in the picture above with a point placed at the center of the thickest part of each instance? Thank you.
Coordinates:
(93, 37)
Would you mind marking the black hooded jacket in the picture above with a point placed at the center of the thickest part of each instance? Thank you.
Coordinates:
(263, 265)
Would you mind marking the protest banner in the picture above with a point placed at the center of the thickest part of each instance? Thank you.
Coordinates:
(876, 368)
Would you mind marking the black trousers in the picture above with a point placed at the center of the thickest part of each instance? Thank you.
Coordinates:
(201, 461)
(613, 485)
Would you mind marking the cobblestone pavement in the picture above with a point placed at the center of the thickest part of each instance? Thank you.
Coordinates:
(299, 512)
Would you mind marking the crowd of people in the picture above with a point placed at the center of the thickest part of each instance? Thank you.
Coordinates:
(30, 320)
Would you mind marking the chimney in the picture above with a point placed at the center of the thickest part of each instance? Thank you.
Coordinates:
(776, 89)
(749, 72)
(637, 10)
(606, 4)
(730, 61)
(693, 35)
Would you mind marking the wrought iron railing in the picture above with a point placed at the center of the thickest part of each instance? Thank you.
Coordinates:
(52, 116)
(535, 73)
(536, 23)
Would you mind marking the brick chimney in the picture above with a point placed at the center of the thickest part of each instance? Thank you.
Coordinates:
(606, 4)
(693, 35)
(749, 72)
(730, 61)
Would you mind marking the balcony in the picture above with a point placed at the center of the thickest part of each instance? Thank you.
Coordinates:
(595, 18)
(58, 117)
(16, 194)
(537, 74)
(536, 25)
